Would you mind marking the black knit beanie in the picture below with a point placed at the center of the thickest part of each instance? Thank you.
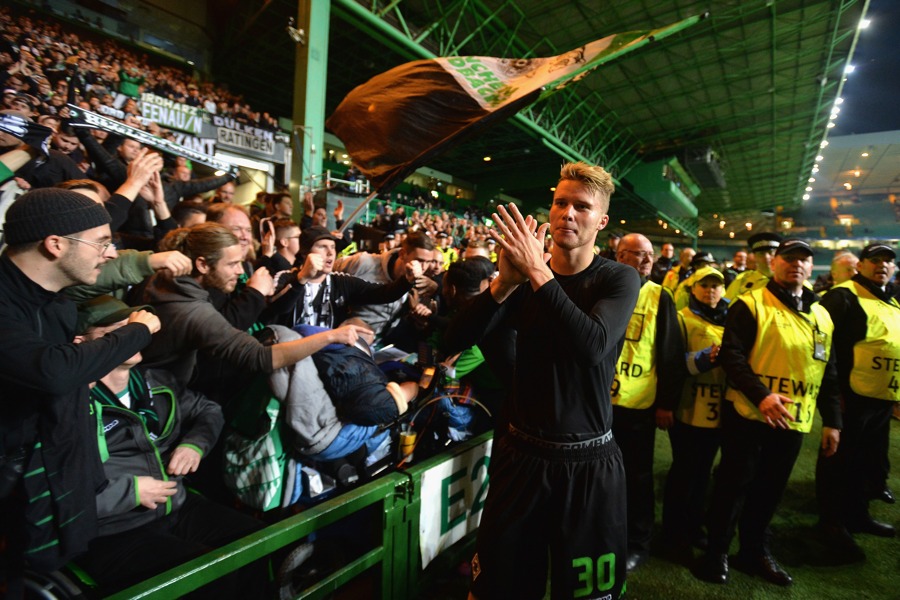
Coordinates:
(51, 211)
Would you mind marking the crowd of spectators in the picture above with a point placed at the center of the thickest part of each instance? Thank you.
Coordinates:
(44, 66)
(219, 305)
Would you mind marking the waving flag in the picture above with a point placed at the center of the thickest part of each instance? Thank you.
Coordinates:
(401, 119)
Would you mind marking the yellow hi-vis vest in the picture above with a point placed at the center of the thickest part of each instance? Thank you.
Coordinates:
(682, 295)
(876, 359)
(782, 356)
(634, 385)
(450, 256)
(670, 281)
(746, 282)
(703, 393)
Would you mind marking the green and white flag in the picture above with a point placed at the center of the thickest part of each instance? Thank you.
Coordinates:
(401, 119)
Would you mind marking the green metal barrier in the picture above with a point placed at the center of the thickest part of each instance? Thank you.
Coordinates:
(398, 553)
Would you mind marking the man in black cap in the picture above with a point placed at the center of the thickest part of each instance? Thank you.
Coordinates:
(325, 299)
(57, 238)
(866, 324)
(777, 353)
(388, 243)
(763, 246)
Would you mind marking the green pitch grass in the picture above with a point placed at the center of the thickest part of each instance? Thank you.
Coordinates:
(817, 576)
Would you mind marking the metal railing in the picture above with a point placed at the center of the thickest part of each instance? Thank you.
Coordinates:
(397, 554)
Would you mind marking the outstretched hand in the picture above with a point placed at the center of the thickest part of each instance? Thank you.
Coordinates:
(348, 334)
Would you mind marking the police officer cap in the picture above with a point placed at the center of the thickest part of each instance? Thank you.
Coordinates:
(876, 248)
(794, 245)
(442, 234)
(702, 259)
(763, 241)
(389, 236)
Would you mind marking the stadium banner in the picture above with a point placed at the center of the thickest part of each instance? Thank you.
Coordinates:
(248, 140)
(87, 119)
(198, 144)
(171, 114)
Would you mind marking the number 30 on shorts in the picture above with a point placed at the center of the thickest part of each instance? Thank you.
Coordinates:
(600, 576)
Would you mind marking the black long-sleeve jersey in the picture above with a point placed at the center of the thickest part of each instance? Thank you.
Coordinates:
(569, 336)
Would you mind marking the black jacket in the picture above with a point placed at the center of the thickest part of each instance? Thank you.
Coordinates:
(44, 399)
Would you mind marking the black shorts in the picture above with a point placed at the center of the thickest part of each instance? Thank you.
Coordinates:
(568, 507)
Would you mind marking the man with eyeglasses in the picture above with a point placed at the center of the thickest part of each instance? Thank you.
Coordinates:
(866, 323)
(49, 461)
(645, 391)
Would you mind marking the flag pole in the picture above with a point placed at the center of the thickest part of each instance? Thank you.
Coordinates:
(356, 211)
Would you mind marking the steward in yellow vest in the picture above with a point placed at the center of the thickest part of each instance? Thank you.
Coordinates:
(867, 348)
(695, 433)
(703, 322)
(683, 292)
(450, 254)
(763, 246)
(645, 390)
(679, 272)
(777, 354)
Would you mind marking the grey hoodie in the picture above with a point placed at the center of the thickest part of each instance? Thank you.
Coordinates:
(309, 413)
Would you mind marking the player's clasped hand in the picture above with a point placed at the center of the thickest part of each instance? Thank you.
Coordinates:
(520, 238)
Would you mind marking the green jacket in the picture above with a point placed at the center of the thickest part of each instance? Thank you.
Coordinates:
(130, 268)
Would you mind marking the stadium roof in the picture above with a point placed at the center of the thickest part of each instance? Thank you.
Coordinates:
(749, 91)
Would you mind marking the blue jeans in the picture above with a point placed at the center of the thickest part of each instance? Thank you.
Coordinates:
(349, 439)
(458, 416)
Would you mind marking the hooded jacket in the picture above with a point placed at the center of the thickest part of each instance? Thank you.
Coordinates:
(190, 323)
(309, 413)
(137, 442)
